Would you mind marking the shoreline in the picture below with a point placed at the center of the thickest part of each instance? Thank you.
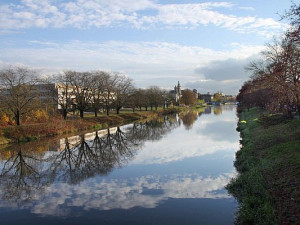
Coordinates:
(267, 186)
(56, 127)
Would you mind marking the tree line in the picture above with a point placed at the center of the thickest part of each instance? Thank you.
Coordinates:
(22, 91)
(275, 80)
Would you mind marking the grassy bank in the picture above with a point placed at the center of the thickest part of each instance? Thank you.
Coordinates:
(267, 187)
(57, 126)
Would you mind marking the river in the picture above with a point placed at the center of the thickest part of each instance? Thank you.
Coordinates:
(169, 171)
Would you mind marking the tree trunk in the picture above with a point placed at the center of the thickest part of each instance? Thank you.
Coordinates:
(65, 114)
(146, 108)
(151, 107)
(140, 108)
(96, 113)
(81, 113)
(17, 117)
(107, 110)
(118, 110)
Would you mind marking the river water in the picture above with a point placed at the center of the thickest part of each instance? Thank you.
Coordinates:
(169, 171)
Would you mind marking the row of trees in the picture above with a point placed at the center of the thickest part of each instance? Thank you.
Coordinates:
(275, 81)
(99, 90)
(21, 92)
(91, 91)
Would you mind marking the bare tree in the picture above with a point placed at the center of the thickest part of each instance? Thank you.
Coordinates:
(62, 92)
(293, 15)
(155, 97)
(123, 89)
(131, 101)
(81, 85)
(19, 95)
(110, 83)
(98, 90)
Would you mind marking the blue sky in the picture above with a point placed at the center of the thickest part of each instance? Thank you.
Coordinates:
(203, 44)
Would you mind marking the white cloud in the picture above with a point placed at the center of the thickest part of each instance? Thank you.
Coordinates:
(99, 13)
(145, 62)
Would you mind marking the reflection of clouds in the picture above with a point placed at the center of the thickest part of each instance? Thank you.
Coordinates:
(199, 141)
(145, 191)
(221, 130)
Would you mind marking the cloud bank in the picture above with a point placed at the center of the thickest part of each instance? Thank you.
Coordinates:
(143, 14)
(145, 62)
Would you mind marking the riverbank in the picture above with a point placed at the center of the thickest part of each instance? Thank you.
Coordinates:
(57, 126)
(267, 187)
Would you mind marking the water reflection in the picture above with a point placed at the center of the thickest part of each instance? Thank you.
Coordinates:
(146, 192)
(138, 165)
(22, 175)
(188, 118)
(74, 159)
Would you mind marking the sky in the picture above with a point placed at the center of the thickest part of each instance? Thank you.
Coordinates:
(205, 45)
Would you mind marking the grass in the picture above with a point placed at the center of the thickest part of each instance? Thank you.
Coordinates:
(267, 187)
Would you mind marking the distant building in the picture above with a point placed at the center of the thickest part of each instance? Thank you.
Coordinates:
(206, 97)
(47, 95)
(177, 93)
(195, 92)
(54, 94)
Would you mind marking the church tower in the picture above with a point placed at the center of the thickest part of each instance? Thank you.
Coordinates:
(178, 93)
(179, 88)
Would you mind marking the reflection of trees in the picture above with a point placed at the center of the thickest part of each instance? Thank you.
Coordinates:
(217, 110)
(152, 130)
(24, 171)
(89, 158)
(74, 163)
(189, 118)
(22, 175)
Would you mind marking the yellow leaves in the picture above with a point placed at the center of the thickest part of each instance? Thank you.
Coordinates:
(4, 120)
(37, 116)
(40, 115)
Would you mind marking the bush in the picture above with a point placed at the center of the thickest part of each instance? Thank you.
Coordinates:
(4, 120)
